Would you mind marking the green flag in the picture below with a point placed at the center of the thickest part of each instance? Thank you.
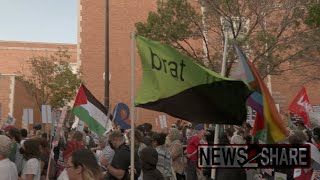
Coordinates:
(174, 84)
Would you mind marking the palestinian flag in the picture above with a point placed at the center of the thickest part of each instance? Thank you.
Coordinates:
(174, 84)
(89, 110)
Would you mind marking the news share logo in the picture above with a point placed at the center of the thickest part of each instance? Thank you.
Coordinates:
(254, 156)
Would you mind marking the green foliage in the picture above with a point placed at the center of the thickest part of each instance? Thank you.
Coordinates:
(270, 31)
(313, 19)
(50, 80)
(174, 21)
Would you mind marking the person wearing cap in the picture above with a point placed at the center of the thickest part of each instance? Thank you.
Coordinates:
(192, 155)
(8, 169)
(119, 167)
(190, 132)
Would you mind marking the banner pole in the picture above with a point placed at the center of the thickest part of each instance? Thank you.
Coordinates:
(132, 103)
(62, 117)
(223, 73)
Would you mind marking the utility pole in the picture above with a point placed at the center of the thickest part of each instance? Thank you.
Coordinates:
(106, 72)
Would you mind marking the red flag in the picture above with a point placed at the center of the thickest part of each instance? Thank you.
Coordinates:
(259, 124)
(301, 106)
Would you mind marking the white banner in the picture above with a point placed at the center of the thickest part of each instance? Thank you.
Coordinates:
(9, 122)
(62, 117)
(49, 114)
(30, 116)
(161, 121)
(164, 119)
(25, 116)
(46, 114)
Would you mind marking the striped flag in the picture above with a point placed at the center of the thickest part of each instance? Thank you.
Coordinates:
(172, 83)
(89, 110)
(268, 125)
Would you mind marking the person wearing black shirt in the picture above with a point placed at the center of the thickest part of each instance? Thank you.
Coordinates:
(119, 167)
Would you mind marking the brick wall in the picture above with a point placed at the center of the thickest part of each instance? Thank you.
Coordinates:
(24, 100)
(4, 97)
(288, 85)
(14, 55)
(123, 16)
(13, 58)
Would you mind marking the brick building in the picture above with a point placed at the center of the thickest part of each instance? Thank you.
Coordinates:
(123, 15)
(13, 58)
(89, 55)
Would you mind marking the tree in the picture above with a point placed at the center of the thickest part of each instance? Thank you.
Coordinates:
(313, 18)
(271, 31)
(174, 23)
(50, 80)
(310, 69)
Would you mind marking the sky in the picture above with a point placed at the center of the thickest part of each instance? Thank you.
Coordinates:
(52, 21)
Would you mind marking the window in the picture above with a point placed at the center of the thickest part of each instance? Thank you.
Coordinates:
(232, 24)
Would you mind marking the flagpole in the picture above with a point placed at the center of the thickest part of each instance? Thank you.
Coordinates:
(62, 117)
(132, 103)
(107, 70)
(223, 73)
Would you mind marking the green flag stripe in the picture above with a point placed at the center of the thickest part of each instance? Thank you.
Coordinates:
(261, 135)
(167, 72)
(96, 113)
(93, 125)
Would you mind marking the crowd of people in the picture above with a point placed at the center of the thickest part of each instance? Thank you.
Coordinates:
(166, 154)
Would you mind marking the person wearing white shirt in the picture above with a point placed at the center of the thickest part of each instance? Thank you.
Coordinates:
(32, 169)
(8, 169)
